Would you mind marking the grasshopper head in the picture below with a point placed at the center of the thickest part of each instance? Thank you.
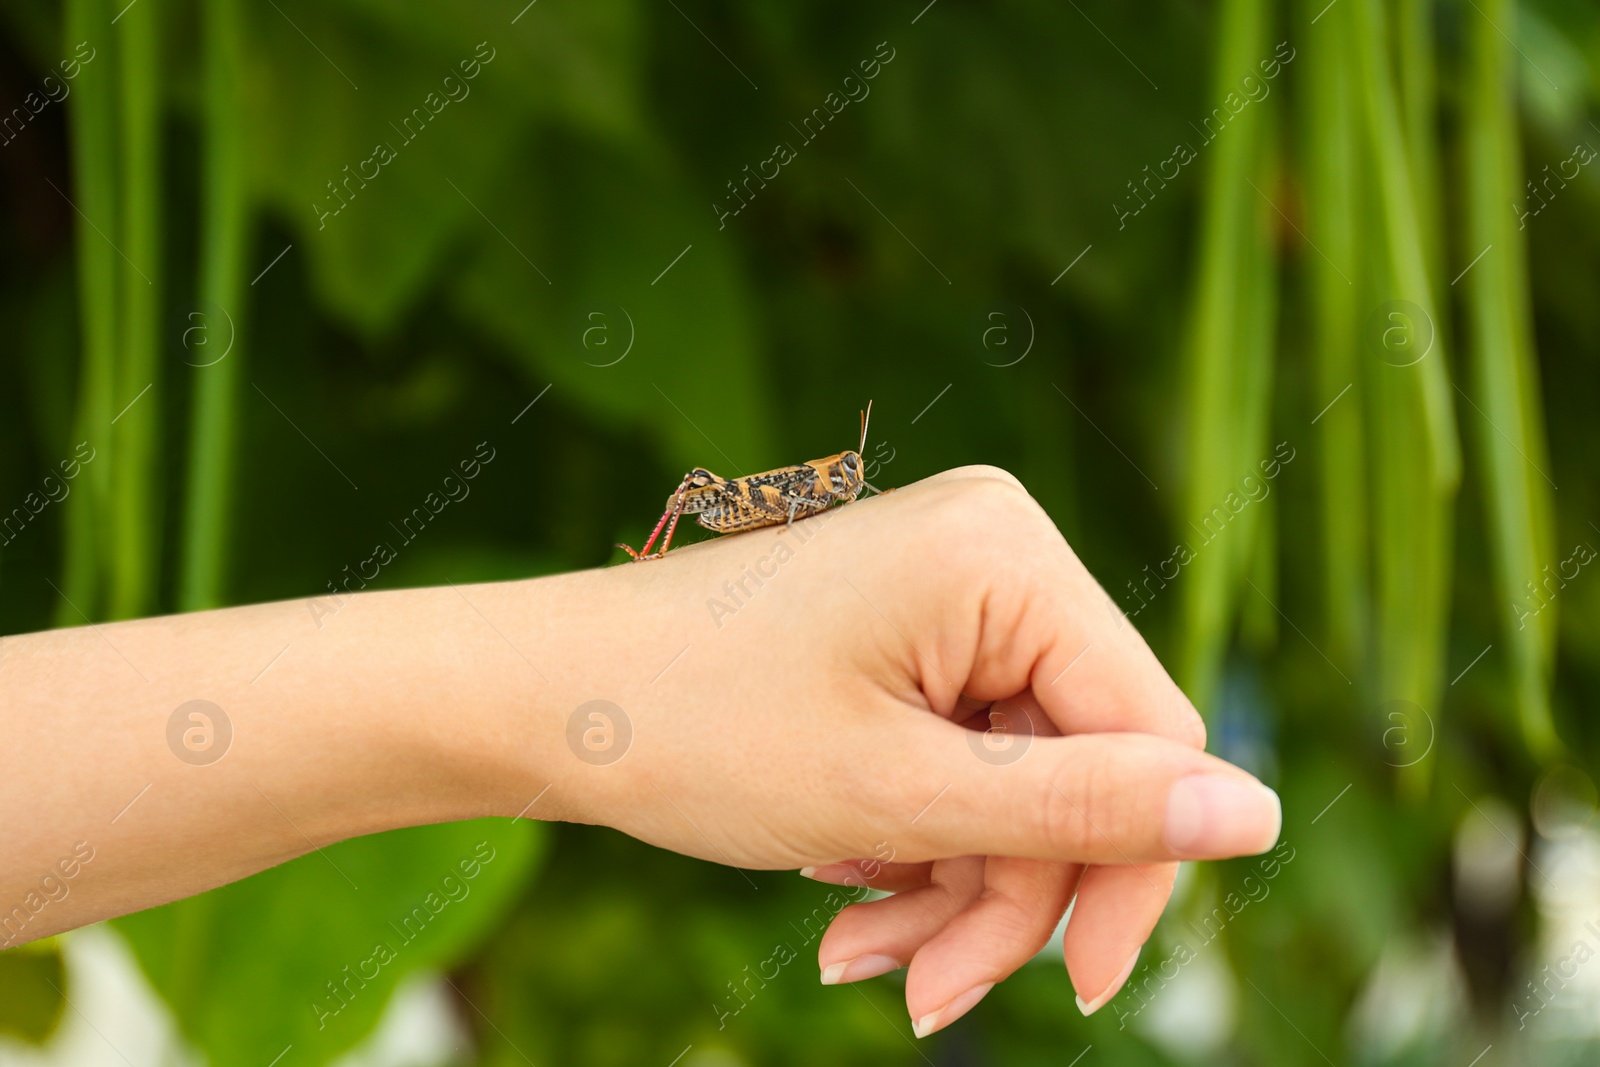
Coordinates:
(850, 468)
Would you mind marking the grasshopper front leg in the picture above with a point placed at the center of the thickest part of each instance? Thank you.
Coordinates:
(797, 503)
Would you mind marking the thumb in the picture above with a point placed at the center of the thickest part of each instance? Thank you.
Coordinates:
(1111, 798)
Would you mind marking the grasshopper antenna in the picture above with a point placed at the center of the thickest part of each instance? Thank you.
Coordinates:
(865, 417)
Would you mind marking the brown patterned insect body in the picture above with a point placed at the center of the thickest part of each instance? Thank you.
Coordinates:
(729, 505)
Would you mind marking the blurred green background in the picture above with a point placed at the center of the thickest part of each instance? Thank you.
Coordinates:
(1259, 299)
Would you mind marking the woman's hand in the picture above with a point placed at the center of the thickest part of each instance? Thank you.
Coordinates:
(925, 690)
(816, 697)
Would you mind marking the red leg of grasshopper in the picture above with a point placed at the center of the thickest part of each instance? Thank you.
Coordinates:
(674, 510)
(673, 513)
(644, 553)
(667, 541)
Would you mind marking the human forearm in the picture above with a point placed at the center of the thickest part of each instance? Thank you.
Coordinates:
(401, 708)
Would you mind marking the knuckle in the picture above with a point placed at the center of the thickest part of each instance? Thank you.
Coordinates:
(1066, 821)
(1012, 922)
(1187, 726)
(997, 507)
(980, 472)
(1088, 814)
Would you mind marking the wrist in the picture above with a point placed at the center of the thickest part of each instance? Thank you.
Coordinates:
(498, 675)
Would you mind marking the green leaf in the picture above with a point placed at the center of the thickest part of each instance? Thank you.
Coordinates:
(33, 978)
(92, 119)
(225, 220)
(1230, 357)
(1411, 415)
(307, 954)
(645, 315)
(596, 972)
(576, 64)
(135, 545)
(324, 117)
(1333, 167)
(1510, 422)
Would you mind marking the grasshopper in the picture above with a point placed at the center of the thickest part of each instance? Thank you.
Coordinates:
(729, 505)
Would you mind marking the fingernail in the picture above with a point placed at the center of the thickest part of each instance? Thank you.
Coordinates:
(1210, 817)
(832, 874)
(857, 969)
(1111, 990)
(938, 1020)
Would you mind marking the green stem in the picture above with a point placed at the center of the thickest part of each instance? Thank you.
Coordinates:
(135, 503)
(1415, 453)
(1510, 437)
(1419, 104)
(1333, 168)
(1230, 356)
(92, 121)
(214, 418)
(1406, 260)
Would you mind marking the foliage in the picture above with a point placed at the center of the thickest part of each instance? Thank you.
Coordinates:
(308, 939)
(32, 977)
(1156, 340)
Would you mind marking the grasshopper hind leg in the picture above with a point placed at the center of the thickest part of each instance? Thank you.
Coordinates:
(669, 521)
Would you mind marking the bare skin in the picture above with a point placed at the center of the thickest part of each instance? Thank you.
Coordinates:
(804, 698)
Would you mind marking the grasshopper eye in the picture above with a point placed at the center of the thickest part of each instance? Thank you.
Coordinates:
(850, 463)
